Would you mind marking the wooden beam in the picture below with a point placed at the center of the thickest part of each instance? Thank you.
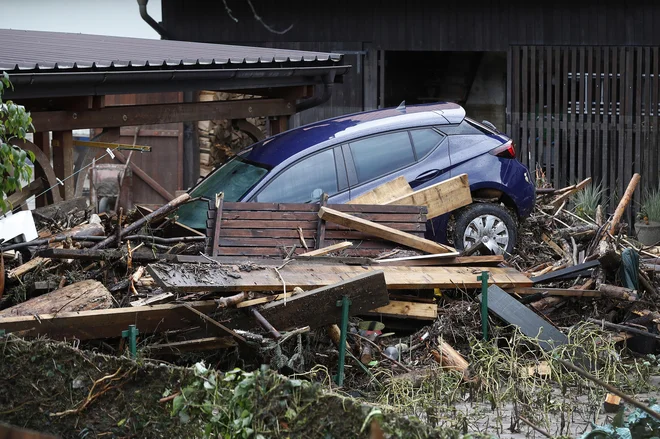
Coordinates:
(106, 323)
(63, 161)
(383, 232)
(318, 307)
(329, 249)
(440, 198)
(213, 325)
(16, 199)
(559, 292)
(407, 310)
(385, 193)
(135, 115)
(227, 278)
(196, 345)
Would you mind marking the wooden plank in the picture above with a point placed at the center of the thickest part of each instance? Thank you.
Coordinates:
(328, 249)
(605, 123)
(217, 225)
(155, 114)
(81, 296)
(556, 134)
(168, 196)
(533, 112)
(596, 118)
(407, 310)
(153, 299)
(440, 198)
(309, 207)
(580, 115)
(589, 145)
(319, 307)
(563, 178)
(383, 231)
(572, 161)
(415, 258)
(106, 323)
(513, 312)
(63, 160)
(196, 345)
(262, 300)
(194, 277)
(559, 292)
(385, 193)
(524, 141)
(540, 112)
(646, 168)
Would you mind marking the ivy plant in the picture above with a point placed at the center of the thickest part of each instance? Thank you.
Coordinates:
(15, 123)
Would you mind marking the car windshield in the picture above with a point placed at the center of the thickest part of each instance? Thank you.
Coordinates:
(235, 178)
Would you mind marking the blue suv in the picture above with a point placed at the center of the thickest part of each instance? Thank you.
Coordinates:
(350, 155)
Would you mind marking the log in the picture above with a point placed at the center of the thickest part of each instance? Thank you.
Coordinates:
(231, 301)
(335, 335)
(585, 231)
(614, 292)
(86, 295)
(546, 303)
(449, 358)
(156, 214)
(608, 257)
(625, 200)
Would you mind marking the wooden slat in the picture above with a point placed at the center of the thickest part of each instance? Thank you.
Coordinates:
(572, 138)
(385, 193)
(407, 310)
(580, 115)
(106, 323)
(646, 167)
(382, 231)
(605, 122)
(183, 277)
(540, 112)
(637, 121)
(308, 220)
(308, 207)
(559, 292)
(211, 324)
(565, 153)
(556, 135)
(655, 155)
(328, 249)
(596, 118)
(589, 145)
(232, 227)
(533, 87)
(625, 91)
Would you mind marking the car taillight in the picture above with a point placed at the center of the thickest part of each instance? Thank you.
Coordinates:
(507, 151)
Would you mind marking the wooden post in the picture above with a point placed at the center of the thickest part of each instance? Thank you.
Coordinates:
(42, 140)
(279, 125)
(63, 160)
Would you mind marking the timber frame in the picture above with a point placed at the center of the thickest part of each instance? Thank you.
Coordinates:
(71, 95)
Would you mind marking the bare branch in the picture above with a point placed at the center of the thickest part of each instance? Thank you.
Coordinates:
(229, 11)
(260, 20)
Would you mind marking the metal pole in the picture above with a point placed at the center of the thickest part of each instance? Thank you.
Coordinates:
(345, 304)
(131, 334)
(484, 303)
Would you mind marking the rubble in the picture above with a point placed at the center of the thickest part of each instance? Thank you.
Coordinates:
(290, 284)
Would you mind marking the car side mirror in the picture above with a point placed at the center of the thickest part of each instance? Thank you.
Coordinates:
(317, 194)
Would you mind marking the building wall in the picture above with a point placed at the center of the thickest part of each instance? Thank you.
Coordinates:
(488, 25)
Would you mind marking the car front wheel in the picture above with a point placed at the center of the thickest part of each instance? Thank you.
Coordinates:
(488, 223)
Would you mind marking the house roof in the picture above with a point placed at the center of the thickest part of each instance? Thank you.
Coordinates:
(34, 59)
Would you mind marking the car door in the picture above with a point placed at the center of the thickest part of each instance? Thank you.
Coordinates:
(418, 155)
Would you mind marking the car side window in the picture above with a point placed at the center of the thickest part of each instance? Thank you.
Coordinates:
(304, 181)
(425, 141)
(379, 155)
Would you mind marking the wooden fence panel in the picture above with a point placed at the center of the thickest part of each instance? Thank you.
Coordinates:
(587, 111)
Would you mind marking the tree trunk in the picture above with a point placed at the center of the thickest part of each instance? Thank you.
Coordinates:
(449, 358)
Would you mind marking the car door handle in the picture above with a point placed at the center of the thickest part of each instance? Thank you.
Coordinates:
(428, 175)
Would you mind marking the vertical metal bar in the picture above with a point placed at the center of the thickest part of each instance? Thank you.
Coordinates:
(345, 304)
(131, 334)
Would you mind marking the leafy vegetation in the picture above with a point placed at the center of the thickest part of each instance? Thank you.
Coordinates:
(587, 200)
(15, 123)
(650, 208)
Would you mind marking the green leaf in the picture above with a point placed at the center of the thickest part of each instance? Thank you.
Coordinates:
(177, 404)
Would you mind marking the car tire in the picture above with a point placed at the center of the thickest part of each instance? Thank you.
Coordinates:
(491, 223)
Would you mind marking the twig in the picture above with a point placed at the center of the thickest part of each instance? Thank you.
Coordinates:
(407, 369)
(283, 283)
(169, 398)
(229, 11)
(539, 429)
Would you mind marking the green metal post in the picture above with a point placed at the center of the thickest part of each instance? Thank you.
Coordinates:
(484, 303)
(131, 334)
(345, 304)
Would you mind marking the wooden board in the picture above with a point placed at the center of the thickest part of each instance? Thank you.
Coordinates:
(559, 292)
(318, 307)
(226, 278)
(514, 313)
(85, 295)
(383, 232)
(329, 249)
(440, 198)
(106, 323)
(407, 310)
(385, 193)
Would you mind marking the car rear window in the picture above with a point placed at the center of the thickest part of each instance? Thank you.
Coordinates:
(425, 140)
(380, 155)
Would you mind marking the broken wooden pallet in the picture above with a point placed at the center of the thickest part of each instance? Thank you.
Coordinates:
(271, 229)
(227, 278)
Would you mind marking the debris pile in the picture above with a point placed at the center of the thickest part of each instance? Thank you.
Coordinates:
(355, 289)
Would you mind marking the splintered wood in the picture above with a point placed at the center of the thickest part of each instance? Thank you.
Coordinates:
(205, 277)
